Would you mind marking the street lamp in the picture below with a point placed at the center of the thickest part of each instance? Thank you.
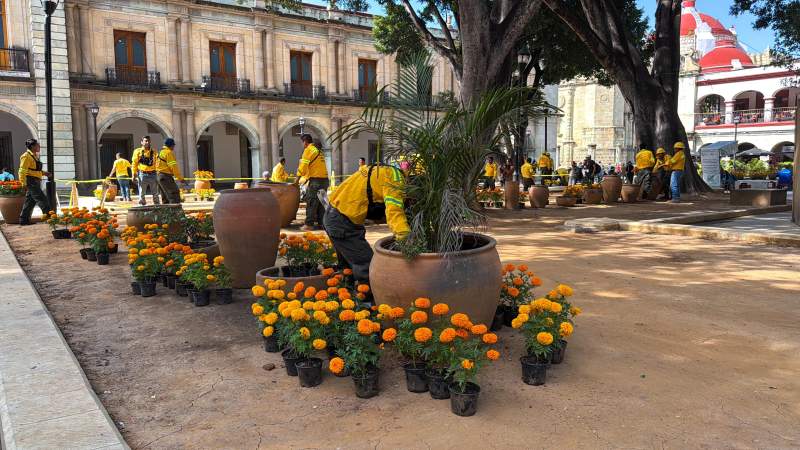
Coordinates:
(49, 8)
(523, 59)
(94, 110)
(302, 125)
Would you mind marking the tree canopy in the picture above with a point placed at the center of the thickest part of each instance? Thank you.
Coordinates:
(781, 16)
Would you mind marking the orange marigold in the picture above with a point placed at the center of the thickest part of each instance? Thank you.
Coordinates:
(460, 320)
(418, 317)
(332, 282)
(310, 292)
(493, 355)
(336, 365)
(517, 281)
(327, 272)
(440, 309)
(321, 295)
(479, 329)
(396, 312)
(467, 364)
(423, 334)
(364, 327)
(462, 333)
(514, 292)
(422, 303)
(389, 334)
(536, 281)
(347, 315)
(363, 288)
(299, 287)
(509, 268)
(523, 267)
(347, 271)
(447, 335)
(489, 338)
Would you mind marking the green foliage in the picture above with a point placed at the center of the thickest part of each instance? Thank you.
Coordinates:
(361, 353)
(780, 16)
(222, 275)
(473, 350)
(405, 343)
(394, 33)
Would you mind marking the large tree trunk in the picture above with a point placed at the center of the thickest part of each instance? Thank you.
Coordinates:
(796, 170)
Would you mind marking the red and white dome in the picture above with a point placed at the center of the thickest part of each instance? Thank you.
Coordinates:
(691, 20)
(726, 56)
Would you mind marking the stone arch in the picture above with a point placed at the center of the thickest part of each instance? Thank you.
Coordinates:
(23, 116)
(165, 129)
(249, 131)
(324, 134)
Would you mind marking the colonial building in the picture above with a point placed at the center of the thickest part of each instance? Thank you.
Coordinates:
(233, 82)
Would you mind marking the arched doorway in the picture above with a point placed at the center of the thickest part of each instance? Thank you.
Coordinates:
(710, 110)
(785, 105)
(228, 147)
(749, 107)
(783, 152)
(13, 134)
(291, 147)
(122, 134)
(744, 146)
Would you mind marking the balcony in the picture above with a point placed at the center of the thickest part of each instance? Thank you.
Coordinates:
(365, 95)
(133, 78)
(748, 116)
(709, 119)
(305, 91)
(14, 60)
(226, 85)
(784, 114)
(745, 117)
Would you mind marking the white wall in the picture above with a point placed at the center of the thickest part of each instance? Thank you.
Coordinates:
(357, 148)
(137, 128)
(19, 134)
(226, 151)
(293, 148)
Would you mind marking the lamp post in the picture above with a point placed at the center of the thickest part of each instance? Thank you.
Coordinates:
(49, 8)
(523, 59)
(302, 122)
(94, 110)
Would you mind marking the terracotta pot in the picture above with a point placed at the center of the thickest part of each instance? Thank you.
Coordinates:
(612, 188)
(511, 195)
(630, 193)
(468, 280)
(247, 231)
(593, 196)
(274, 273)
(288, 195)
(139, 216)
(111, 192)
(202, 184)
(568, 202)
(240, 185)
(11, 207)
(539, 196)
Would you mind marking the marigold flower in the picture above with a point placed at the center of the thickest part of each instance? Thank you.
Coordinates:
(564, 290)
(258, 291)
(479, 329)
(422, 303)
(523, 267)
(523, 318)
(363, 288)
(555, 307)
(552, 294)
(348, 304)
(447, 335)
(267, 331)
(397, 312)
(291, 296)
(332, 282)
(493, 355)
(460, 320)
(389, 334)
(514, 292)
(347, 272)
(575, 311)
(440, 309)
(331, 306)
(467, 364)
(565, 329)
(336, 365)
(517, 281)
(257, 309)
(364, 327)
(347, 315)
(210, 277)
(271, 318)
(516, 323)
(376, 327)
(298, 314)
(536, 281)
(310, 292)
(319, 344)
(418, 317)
(298, 287)
(305, 332)
(308, 305)
(544, 338)
(319, 316)
(489, 338)
(423, 334)
(524, 309)
(327, 271)
(509, 268)
(383, 308)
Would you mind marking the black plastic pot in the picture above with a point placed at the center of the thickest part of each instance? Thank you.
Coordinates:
(102, 259)
(464, 403)
(367, 386)
(136, 288)
(171, 279)
(91, 255)
(558, 353)
(534, 370)
(438, 384)
(497, 321)
(83, 253)
(224, 295)
(509, 314)
(271, 344)
(148, 288)
(309, 372)
(61, 234)
(290, 359)
(182, 289)
(165, 280)
(200, 298)
(114, 249)
(416, 380)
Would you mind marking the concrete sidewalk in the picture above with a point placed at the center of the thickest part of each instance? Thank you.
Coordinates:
(46, 401)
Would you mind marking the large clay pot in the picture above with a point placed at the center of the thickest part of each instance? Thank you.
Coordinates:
(111, 191)
(240, 186)
(612, 188)
(511, 195)
(593, 196)
(247, 231)
(630, 193)
(202, 184)
(139, 216)
(288, 195)
(567, 202)
(275, 273)
(11, 207)
(468, 280)
(539, 196)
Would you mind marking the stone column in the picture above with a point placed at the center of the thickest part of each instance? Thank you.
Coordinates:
(180, 143)
(86, 31)
(729, 112)
(173, 40)
(264, 155)
(191, 143)
(340, 151)
(342, 69)
(91, 144)
(275, 140)
(79, 143)
(331, 64)
(269, 59)
(73, 52)
(769, 105)
(185, 47)
(258, 63)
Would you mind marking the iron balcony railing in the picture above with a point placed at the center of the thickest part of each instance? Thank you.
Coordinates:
(745, 117)
(14, 60)
(709, 118)
(305, 91)
(226, 85)
(119, 76)
(784, 114)
(748, 116)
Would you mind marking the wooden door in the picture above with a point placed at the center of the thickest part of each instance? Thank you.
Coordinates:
(6, 152)
(223, 65)
(205, 154)
(367, 81)
(130, 57)
(300, 70)
(110, 145)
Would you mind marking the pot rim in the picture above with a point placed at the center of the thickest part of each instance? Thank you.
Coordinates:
(491, 244)
(239, 191)
(262, 273)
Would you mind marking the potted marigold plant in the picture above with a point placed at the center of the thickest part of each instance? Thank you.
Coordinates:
(57, 225)
(413, 335)
(102, 242)
(306, 256)
(517, 288)
(202, 179)
(222, 281)
(199, 228)
(12, 197)
(302, 331)
(266, 309)
(437, 352)
(565, 320)
(593, 194)
(570, 196)
(197, 271)
(470, 350)
(360, 351)
(144, 267)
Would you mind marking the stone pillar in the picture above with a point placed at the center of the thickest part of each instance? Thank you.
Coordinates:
(73, 34)
(258, 52)
(769, 105)
(339, 154)
(264, 155)
(173, 45)
(275, 140)
(729, 112)
(180, 143)
(91, 144)
(342, 67)
(86, 31)
(185, 51)
(79, 143)
(269, 58)
(191, 143)
(333, 85)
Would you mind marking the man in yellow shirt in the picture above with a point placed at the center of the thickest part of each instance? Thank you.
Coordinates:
(279, 174)
(677, 164)
(527, 171)
(143, 166)
(644, 170)
(312, 169)
(545, 166)
(168, 171)
(489, 173)
(120, 170)
(661, 172)
(358, 198)
(30, 175)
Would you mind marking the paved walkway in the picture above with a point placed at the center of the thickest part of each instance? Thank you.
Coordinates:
(45, 400)
(767, 223)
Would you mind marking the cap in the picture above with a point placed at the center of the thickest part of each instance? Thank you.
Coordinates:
(661, 151)
(169, 143)
(679, 145)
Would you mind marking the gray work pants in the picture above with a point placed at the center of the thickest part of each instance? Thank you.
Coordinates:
(350, 242)
(148, 182)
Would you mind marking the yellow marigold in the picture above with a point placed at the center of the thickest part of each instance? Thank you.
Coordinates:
(383, 308)
(523, 318)
(479, 329)
(440, 309)
(552, 294)
(262, 318)
(308, 305)
(305, 332)
(447, 335)
(516, 323)
(423, 334)
(348, 304)
(467, 364)
(364, 327)
(363, 314)
(298, 314)
(271, 318)
(363, 288)
(331, 306)
(575, 311)
(493, 355)
(548, 321)
(389, 334)
(347, 315)
(489, 338)
(541, 304)
(257, 309)
(565, 329)
(524, 309)
(320, 316)
(291, 296)
(258, 291)
(319, 344)
(418, 317)
(397, 312)
(210, 277)
(422, 303)
(555, 307)
(281, 283)
(319, 305)
(336, 365)
(267, 331)
(544, 338)
(564, 290)
(460, 320)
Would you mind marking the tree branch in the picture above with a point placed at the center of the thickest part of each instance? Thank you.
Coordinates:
(443, 24)
(431, 40)
(511, 29)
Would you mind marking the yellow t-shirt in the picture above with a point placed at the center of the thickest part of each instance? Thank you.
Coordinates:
(527, 170)
(490, 171)
(678, 161)
(312, 163)
(121, 167)
(350, 198)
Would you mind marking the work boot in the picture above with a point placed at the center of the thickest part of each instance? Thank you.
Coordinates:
(307, 228)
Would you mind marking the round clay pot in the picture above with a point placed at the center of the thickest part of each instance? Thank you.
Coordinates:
(539, 196)
(247, 231)
(511, 195)
(612, 188)
(274, 273)
(468, 280)
(288, 195)
(111, 192)
(593, 196)
(202, 184)
(139, 216)
(630, 193)
(11, 207)
(567, 202)
(240, 185)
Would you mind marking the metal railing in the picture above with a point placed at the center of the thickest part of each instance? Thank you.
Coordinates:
(226, 84)
(305, 91)
(749, 116)
(709, 119)
(14, 60)
(364, 95)
(133, 78)
(745, 117)
(784, 114)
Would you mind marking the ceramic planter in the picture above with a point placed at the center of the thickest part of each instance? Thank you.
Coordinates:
(567, 202)
(11, 207)
(511, 195)
(630, 193)
(612, 188)
(593, 196)
(281, 272)
(539, 196)
(288, 196)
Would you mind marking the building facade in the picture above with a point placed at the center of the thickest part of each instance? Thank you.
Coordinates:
(233, 82)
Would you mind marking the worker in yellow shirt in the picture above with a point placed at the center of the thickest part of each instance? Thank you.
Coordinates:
(312, 169)
(545, 166)
(644, 170)
(168, 172)
(279, 174)
(120, 169)
(527, 172)
(373, 192)
(489, 173)
(143, 166)
(30, 175)
(661, 172)
(677, 164)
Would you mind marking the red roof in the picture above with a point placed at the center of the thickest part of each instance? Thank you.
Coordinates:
(721, 58)
(689, 23)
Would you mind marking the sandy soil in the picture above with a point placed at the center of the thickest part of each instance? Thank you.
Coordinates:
(684, 343)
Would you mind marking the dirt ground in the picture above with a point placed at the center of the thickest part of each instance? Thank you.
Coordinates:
(684, 343)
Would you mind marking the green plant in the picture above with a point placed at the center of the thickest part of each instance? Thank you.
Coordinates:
(546, 321)
(198, 226)
(360, 347)
(518, 285)
(197, 271)
(307, 250)
(222, 275)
